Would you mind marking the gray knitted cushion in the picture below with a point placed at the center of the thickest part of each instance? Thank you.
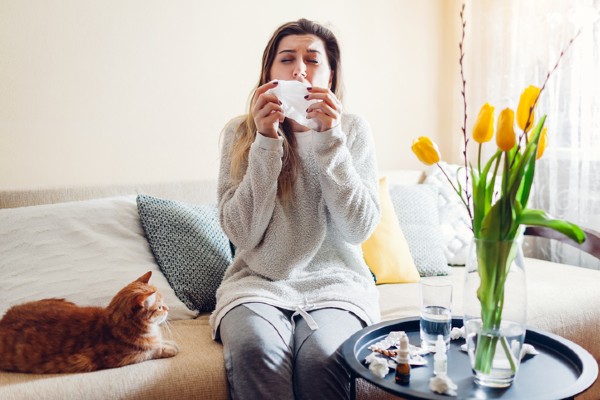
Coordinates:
(189, 246)
(417, 210)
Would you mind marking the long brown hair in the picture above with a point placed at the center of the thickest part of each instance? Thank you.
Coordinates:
(246, 131)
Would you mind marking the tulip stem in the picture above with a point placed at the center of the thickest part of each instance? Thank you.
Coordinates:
(494, 258)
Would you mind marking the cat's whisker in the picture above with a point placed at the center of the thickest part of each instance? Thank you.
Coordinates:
(171, 334)
(166, 327)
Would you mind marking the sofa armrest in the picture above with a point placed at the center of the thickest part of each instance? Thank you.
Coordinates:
(591, 245)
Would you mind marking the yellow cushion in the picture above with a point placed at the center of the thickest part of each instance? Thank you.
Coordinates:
(386, 251)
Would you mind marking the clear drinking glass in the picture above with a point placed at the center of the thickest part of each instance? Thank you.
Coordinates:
(436, 311)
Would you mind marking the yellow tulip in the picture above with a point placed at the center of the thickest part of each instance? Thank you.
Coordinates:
(484, 126)
(426, 151)
(505, 132)
(528, 98)
(542, 144)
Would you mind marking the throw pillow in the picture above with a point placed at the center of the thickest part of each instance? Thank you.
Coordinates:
(83, 251)
(454, 218)
(386, 251)
(416, 207)
(189, 245)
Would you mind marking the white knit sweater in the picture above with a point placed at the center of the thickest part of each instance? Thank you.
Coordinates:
(304, 252)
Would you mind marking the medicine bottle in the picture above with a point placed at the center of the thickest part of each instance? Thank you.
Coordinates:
(440, 360)
(403, 367)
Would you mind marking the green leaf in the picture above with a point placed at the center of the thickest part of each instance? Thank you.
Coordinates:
(499, 222)
(517, 172)
(478, 209)
(529, 171)
(540, 218)
(488, 191)
(527, 182)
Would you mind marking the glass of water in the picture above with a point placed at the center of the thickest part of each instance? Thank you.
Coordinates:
(436, 311)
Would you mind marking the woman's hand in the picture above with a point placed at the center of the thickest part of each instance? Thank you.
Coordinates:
(327, 111)
(267, 111)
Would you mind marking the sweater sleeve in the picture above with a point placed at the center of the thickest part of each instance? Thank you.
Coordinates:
(349, 179)
(246, 207)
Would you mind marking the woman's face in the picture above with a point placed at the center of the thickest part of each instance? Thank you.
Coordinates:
(302, 58)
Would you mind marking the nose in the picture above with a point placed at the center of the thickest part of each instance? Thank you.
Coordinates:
(165, 307)
(299, 73)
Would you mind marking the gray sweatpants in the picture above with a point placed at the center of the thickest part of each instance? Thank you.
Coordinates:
(266, 358)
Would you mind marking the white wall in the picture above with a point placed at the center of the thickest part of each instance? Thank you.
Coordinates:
(119, 91)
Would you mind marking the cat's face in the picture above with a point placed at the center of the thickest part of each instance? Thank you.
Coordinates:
(154, 311)
(140, 301)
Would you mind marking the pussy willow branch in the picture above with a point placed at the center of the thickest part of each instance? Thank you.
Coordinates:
(529, 121)
(464, 127)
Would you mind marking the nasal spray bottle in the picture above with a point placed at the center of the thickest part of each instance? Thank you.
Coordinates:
(403, 367)
(440, 360)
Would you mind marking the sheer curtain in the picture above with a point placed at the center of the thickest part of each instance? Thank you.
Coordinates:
(511, 44)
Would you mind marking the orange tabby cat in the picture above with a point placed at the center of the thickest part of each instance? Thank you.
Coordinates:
(54, 335)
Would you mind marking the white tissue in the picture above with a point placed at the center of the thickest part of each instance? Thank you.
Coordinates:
(528, 349)
(291, 94)
(443, 385)
(525, 350)
(377, 365)
(391, 340)
(457, 333)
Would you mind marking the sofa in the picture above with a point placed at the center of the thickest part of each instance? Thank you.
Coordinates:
(562, 299)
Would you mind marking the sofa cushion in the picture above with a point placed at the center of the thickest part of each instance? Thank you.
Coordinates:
(416, 207)
(83, 251)
(189, 245)
(386, 251)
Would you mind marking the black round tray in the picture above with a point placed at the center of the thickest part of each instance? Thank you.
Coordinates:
(562, 370)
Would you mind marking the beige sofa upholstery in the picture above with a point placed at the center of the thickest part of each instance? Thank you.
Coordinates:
(561, 299)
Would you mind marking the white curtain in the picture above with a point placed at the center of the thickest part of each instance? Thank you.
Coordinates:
(511, 44)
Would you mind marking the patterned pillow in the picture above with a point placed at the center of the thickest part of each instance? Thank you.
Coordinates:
(189, 246)
(417, 210)
(454, 219)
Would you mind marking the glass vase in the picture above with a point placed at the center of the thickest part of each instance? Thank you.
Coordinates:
(495, 310)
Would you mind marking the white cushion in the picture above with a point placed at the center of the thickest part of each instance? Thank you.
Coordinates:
(83, 251)
(454, 219)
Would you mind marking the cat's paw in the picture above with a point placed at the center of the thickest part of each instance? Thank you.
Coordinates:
(169, 349)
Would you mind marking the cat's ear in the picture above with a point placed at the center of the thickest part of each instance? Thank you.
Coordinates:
(149, 301)
(144, 278)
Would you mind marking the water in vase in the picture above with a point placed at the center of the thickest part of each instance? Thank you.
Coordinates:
(506, 355)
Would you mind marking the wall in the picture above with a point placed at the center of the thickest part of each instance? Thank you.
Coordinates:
(118, 91)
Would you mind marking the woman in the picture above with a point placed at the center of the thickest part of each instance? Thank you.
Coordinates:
(297, 203)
